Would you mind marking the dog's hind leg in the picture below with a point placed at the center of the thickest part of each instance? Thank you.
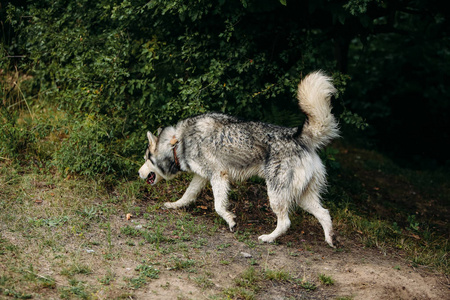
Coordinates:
(310, 201)
(191, 194)
(220, 186)
(280, 207)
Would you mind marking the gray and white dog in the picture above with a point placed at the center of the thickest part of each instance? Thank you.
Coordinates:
(219, 148)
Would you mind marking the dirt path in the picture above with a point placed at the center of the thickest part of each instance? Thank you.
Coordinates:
(358, 273)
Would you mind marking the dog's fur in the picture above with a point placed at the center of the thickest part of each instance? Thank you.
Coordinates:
(220, 148)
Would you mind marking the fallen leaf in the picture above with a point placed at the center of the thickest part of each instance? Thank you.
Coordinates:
(415, 236)
(129, 216)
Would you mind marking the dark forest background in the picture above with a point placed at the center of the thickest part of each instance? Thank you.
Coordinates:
(81, 81)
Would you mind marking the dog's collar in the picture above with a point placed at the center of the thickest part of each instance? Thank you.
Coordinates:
(174, 143)
(175, 156)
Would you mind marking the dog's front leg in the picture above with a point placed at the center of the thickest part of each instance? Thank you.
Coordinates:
(191, 194)
(220, 186)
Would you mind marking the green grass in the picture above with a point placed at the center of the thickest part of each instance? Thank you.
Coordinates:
(326, 280)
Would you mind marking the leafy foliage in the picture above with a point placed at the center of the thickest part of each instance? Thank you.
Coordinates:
(120, 68)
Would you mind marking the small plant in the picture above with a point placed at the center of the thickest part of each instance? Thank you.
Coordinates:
(200, 243)
(148, 271)
(307, 285)
(413, 223)
(76, 288)
(204, 282)
(145, 271)
(50, 222)
(249, 279)
(278, 275)
(326, 280)
(106, 280)
(239, 293)
(181, 264)
(137, 282)
(89, 212)
(15, 294)
(76, 269)
(130, 231)
(223, 246)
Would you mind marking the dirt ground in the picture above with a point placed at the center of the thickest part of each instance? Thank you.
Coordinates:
(358, 272)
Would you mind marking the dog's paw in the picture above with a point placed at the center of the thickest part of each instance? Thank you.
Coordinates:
(266, 238)
(170, 205)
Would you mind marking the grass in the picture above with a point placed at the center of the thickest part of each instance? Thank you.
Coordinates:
(326, 280)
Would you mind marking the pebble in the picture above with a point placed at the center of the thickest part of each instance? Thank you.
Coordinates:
(246, 255)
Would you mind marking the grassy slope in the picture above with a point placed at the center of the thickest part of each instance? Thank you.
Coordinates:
(64, 237)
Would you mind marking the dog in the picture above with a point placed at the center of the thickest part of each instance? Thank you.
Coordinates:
(220, 149)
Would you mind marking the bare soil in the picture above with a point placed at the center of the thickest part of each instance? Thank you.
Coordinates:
(358, 272)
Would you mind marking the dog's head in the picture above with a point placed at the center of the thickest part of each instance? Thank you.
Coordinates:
(160, 162)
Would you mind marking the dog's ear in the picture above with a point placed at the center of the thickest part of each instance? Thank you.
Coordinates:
(158, 132)
(152, 140)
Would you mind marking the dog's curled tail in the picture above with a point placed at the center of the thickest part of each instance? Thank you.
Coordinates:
(314, 93)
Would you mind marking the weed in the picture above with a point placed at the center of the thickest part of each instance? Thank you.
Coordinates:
(145, 271)
(413, 224)
(204, 282)
(130, 231)
(239, 293)
(307, 285)
(326, 280)
(89, 213)
(277, 275)
(50, 222)
(138, 282)
(223, 246)
(76, 269)
(200, 243)
(76, 288)
(182, 264)
(249, 279)
(148, 271)
(108, 278)
(245, 237)
(15, 294)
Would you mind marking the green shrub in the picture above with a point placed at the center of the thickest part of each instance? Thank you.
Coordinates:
(120, 68)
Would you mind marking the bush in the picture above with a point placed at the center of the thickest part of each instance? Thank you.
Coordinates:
(120, 68)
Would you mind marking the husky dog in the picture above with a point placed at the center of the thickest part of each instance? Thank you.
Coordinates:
(219, 148)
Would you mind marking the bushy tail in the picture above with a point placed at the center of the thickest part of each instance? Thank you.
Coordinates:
(314, 93)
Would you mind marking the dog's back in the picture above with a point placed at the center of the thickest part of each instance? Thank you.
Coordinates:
(239, 147)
